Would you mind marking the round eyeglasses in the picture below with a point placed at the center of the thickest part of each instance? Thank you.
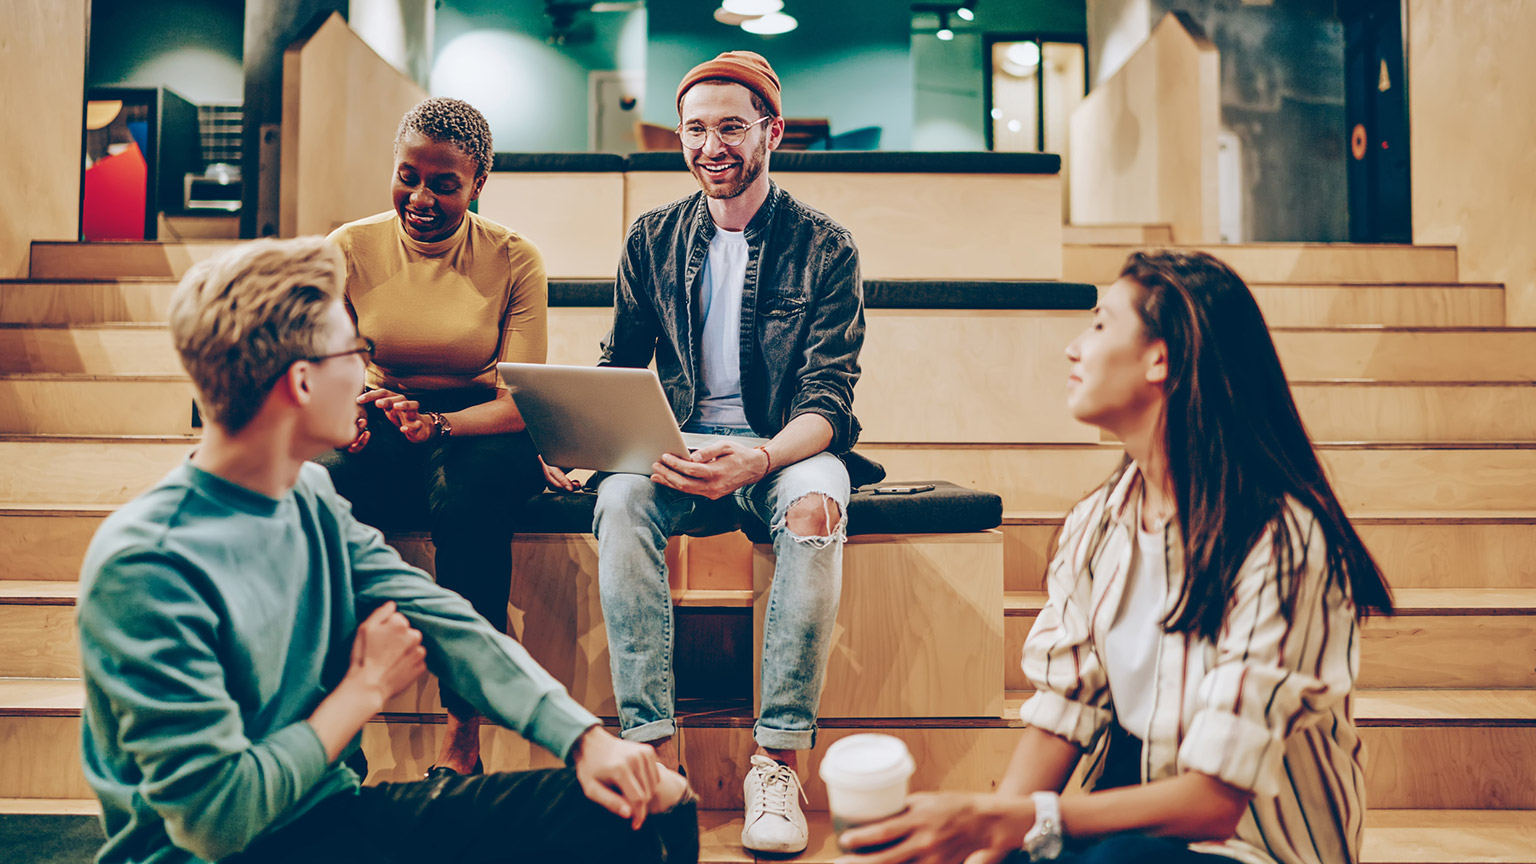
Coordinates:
(730, 132)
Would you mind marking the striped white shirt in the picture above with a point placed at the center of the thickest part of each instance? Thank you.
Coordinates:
(1266, 707)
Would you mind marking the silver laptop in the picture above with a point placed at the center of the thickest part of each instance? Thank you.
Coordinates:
(599, 417)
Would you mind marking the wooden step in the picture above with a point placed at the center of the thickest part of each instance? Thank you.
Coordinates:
(1423, 748)
(1123, 233)
(1383, 412)
(1408, 354)
(119, 259)
(83, 469)
(1439, 477)
(1381, 304)
(1330, 263)
(1415, 550)
(47, 542)
(101, 301)
(1391, 837)
(89, 349)
(1440, 637)
(47, 404)
(50, 404)
(1323, 353)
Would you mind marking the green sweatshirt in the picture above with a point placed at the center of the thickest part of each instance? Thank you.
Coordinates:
(213, 620)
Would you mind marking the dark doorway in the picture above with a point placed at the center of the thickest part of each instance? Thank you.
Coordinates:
(1376, 112)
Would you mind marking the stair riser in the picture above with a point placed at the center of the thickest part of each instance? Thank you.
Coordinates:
(1407, 651)
(138, 351)
(1443, 554)
(86, 303)
(1047, 478)
(1452, 767)
(1419, 356)
(1101, 265)
(1050, 479)
(119, 260)
(96, 407)
(1379, 414)
(1344, 305)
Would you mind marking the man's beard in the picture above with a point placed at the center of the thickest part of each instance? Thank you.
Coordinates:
(751, 169)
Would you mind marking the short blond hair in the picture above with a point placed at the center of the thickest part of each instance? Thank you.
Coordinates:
(240, 319)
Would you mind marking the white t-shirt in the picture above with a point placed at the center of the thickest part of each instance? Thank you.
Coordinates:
(725, 276)
(1130, 646)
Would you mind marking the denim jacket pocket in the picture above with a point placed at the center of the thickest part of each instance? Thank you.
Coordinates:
(782, 307)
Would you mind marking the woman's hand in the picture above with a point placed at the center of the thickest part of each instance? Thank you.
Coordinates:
(555, 478)
(402, 411)
(940, 828)
(363, 434)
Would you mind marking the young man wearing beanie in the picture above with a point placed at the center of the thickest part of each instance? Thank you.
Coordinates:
(750, 302)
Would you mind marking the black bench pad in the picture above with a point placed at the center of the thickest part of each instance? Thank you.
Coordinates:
(946, 509)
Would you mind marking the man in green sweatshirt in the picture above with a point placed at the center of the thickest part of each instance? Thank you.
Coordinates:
(238, 628)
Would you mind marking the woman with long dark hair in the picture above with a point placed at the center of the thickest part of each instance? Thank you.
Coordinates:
(1201, 633)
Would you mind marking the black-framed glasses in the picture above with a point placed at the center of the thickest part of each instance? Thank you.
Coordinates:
(731, 132)
(364, 347)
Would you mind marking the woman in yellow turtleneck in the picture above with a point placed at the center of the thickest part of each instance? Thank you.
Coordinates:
(444, 295)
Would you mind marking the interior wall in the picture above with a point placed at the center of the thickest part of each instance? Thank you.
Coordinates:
(1144, 142)
(849, 61)
(1472, 122)
(190, 46)
(342, 104)
(401, 31)
(42, 62)
(494, 54)
(270, 27)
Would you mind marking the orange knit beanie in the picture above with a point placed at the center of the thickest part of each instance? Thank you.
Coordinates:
(746, 68)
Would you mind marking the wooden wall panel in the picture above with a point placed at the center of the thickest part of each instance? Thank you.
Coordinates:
(576, 220)
(1144, 142)
(1472, 124)
(42, 62)
(341, 106)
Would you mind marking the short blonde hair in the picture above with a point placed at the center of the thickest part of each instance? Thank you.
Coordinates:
(240, 319)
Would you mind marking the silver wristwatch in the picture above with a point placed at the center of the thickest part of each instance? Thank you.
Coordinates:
(1043, 842)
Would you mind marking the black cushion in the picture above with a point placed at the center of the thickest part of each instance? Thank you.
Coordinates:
(606, 163)
(875, 162)
(895, 294)
(945, 509)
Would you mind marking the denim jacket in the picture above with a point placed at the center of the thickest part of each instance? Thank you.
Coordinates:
(802, 312)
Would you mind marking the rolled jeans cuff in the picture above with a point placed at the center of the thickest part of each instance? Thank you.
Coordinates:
(783, 739)
(652, 731)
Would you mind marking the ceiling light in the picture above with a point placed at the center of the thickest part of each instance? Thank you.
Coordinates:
(752, 8)
(731, 18)
(1014, 125)
(997, 113)
(945, 34)
(965, 13)
(771, 24)
(1025, 55)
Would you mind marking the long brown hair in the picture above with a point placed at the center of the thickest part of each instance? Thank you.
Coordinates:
(1236, 446)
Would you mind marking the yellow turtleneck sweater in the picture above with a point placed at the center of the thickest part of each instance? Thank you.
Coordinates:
(444, 314)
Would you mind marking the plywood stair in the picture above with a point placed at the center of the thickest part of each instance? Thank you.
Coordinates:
(1422, 401)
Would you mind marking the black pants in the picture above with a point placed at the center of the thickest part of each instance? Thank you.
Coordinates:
(528, 816)
(466, 491)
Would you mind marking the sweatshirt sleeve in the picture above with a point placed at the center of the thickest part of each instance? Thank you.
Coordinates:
(488, 668)
(150, 649)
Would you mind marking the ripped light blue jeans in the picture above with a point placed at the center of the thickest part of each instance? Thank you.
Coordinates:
(634, 519)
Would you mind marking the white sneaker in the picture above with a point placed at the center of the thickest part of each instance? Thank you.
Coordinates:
(774, 820)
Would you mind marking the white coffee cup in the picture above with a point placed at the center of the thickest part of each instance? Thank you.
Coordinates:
(866, 777)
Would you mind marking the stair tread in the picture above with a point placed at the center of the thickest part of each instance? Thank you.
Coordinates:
(50, 807)
(1054, 517)
(1410, 601)
(1391, 837)
(38, 592)
(1375, 707)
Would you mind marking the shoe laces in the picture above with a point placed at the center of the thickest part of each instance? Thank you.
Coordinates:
(776, 783)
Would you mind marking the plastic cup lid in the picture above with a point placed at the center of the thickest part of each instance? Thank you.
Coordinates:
(866, 761)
